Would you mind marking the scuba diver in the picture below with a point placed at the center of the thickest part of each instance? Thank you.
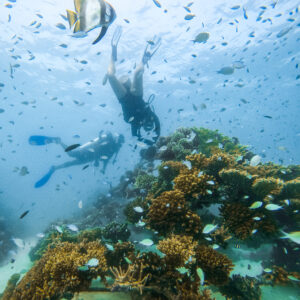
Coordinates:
(99, 149)
(136, 111)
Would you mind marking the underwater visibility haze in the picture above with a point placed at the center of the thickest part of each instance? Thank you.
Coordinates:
(149, 149)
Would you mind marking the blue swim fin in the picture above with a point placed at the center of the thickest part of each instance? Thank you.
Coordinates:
(45, 178)
(39, 140)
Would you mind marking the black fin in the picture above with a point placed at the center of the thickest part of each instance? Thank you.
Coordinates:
(101, 35)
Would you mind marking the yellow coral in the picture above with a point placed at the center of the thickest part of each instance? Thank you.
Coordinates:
(178, 249)
(191, 183)
(291, 189)
(199, 160)
(57, 272)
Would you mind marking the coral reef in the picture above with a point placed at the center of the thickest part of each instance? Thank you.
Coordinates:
(133, 216)
(10, 287)
(59, 271)
(241, 288)
(178, 249)
(216, 266)
(115, 231)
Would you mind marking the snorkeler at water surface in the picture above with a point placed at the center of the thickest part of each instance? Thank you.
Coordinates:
(136, 111)
(99, 149)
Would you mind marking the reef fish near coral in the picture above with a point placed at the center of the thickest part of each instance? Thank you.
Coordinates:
(146, 242)
(209, 228)
(273, 207)
(293, 236)
(255, 160)
(256, 204)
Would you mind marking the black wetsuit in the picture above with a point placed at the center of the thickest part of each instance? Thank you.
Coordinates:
(137, 113)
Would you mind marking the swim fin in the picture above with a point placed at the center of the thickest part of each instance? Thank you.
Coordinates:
(151, 48)
(114, 42)
(39, 140)
(45, 178)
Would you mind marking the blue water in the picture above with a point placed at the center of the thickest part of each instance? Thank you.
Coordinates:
(53, 90)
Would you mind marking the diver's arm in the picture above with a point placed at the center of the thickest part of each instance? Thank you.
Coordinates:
(137, 84)
(116, 85)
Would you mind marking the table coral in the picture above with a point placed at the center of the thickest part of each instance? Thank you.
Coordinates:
(58, 273)
(178, 249)
(216, 266)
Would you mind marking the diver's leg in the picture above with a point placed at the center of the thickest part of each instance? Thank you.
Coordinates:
(137, 84)
(68, 164)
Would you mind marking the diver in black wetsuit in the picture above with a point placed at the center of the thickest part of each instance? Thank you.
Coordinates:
(136, 111)
(99, 149)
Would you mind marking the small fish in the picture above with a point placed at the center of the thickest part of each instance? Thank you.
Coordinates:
(209, 228)
(256, 218)
(138, 209)
(61, 26)
(130, 119)
(182, 270)
(189, 17)
(188, 164)
(202, 37)
(215, 246)
(40, 16)
(235, 7)
(80, 204)
(128, 260)
(140, 224)
(127, 21)
(273, 207)
(73, 227)
(187, 9)
(24, 214)
(255, 160)
(211, 182)
(268, 270)
(146, 242)
(86, 166)
(287, 201)
(238, 246)
(209, 141)
(245, 14)
(72, 147)
(267, 117)
(92, 263)
(83, 268)
(226, 71)
(23, 171)
(253, 231)
(157, 3)
(283, 32)
(293, 278)
(58, 228)
(109, 247)
(200, 274)
(256, 204)
(40, 235)
(18, 242)
(162, 148)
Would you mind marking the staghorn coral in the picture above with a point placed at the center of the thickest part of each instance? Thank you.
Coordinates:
(145, 181)
(177, 249)
(165, 211)
(262, 187)
(216, 266)
(191, 224)
(198, 161)
(132, 278)
(241, 288)
(220, 236)
(58, 271)
(219, 161)
(238, 219)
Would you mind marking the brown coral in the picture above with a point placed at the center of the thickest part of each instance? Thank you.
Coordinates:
(262, 187)
(165, 210)
(291, 189)
(219, 161)
(191, 183)
(238, 219)
(280, 276)
(177, 249)
(199, 161)
(216, 266)
(58, 271)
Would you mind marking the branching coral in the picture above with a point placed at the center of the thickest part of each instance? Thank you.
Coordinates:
(238, 219)
(291, 189)
(132, 278)
(58, 271)
(242, 288)
(133, 216)
(116, 256)
(193, 184)
(115, 231)
(177, 249)
(165, 210)
(280, 276)
(262, 187)
(216, 266)
(11, 284)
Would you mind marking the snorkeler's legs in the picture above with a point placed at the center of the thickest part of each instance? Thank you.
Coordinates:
(137, 84)
(68, 164)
